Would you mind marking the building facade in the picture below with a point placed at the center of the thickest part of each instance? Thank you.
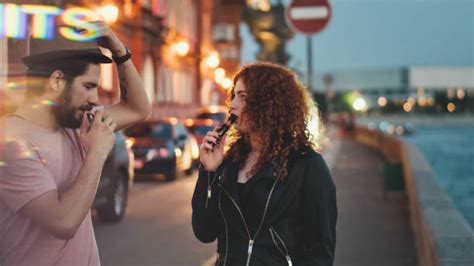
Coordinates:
(176, 46)
(427, 89)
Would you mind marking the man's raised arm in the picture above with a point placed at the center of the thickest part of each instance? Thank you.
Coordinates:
(134, 105)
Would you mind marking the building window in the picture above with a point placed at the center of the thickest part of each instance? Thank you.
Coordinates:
(174, 86)
(182, 87)
(230, 52)
(149, 77)
(224, 32)
(168, 85)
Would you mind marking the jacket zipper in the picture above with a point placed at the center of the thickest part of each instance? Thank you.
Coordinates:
(251, 240)
(286, 253)
(209, 185)
(226, 232)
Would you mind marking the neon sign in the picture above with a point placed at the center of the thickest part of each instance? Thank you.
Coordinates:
(14, 19)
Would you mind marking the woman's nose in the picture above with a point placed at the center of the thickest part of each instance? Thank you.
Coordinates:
(233, 105)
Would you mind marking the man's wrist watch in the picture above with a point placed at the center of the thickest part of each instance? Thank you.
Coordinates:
(121, 59)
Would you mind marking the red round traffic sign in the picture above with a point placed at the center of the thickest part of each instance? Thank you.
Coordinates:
(308, 16)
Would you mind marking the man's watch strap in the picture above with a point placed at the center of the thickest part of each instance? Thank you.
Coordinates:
(121, 59)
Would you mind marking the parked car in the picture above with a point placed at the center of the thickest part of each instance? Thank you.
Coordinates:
(216, 112)
(200, 127)
(117, 177)
(163, 147)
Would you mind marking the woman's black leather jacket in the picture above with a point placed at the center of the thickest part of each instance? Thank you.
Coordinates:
(299, 227)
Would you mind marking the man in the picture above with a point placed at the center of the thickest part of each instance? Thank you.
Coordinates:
(52, 157)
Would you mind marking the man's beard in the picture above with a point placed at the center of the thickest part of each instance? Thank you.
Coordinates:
(65, 113)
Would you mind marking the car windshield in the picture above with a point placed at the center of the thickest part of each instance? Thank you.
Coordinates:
(201, 130)
(162, 131)
(214, 116)
(138, 131)
(159, 131)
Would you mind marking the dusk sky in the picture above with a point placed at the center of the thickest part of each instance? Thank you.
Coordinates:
(370, 34)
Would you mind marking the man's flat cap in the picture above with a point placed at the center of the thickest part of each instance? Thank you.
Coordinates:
(44, 51)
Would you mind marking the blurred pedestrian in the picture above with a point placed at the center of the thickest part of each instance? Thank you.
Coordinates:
(52, 157)
(269, 199)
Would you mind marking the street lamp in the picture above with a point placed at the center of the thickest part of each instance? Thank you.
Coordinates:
(382, 101)
(460, 93)
(262, 5)
(407, 107)
(213, 60)
(219, 75)
(181, 48)
(219, 79)
(451, 107)
(109, 13)
(226, 83)
(359, 104)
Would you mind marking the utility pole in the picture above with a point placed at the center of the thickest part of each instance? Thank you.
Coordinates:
(310, 61)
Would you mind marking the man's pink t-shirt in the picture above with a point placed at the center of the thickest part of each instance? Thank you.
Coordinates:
(33, 161)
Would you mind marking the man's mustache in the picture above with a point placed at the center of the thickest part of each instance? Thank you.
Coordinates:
(87, 107)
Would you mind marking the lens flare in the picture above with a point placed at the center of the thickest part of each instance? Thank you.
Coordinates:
(43, 20)
(15, 86)
(75, 22)
(48, 103)
(79, 17)
(2, 19)
(19, 147)
(13, 21)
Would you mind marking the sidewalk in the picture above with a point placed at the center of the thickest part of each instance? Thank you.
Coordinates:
(371, 230)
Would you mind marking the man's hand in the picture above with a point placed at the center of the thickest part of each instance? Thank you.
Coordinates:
(62, 213)
(108, 39)
(99, 138)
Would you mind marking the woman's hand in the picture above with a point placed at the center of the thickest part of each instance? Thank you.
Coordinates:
(212, 150)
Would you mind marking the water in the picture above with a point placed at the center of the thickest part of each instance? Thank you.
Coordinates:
(450, 152)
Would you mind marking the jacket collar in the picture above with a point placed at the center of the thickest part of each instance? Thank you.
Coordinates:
(229, 175)
(230, 172)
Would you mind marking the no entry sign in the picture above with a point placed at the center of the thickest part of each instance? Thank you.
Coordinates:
(308, 16)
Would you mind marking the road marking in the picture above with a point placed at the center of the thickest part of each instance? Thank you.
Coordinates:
(309, 12)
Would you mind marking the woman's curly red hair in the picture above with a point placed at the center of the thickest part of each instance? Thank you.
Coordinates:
(278, 109)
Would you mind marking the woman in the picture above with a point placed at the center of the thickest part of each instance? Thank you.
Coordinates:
(270, 199)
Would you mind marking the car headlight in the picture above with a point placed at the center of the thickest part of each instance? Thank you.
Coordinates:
(195, 151)
(158, 152)
(151, 154)
(164, 152)
(129, 142)
(178, 152)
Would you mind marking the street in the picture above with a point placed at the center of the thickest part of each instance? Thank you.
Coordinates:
(156, 229)
(371, 230)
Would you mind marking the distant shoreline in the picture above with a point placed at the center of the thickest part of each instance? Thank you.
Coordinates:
(420, 120)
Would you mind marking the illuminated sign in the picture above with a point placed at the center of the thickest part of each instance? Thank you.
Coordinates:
(14, 19)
